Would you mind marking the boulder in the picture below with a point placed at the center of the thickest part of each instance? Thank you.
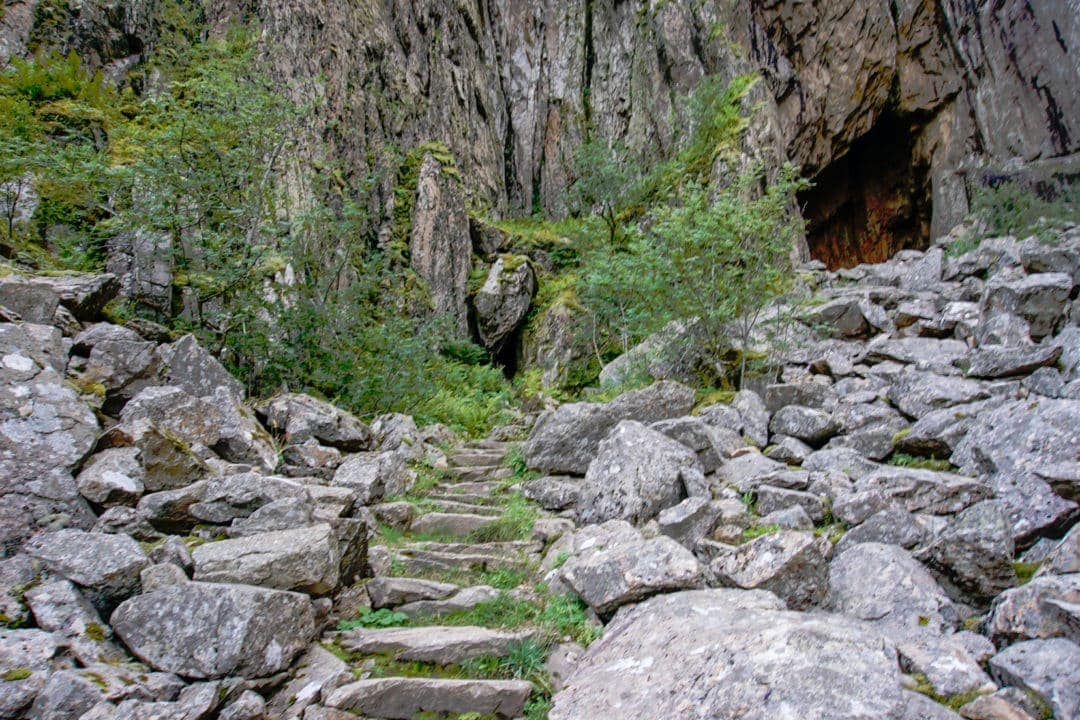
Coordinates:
(166, 463)
(317, 673)
(713, 445)
(902, 592)
(241, 439)
(1048, 668)
(1040, 299)
(46, 431)
(612, 564)
(404, 698)
(918, 394)
(637, 473)
(566, 440)
(738, 654)
(205, 630)
(1039, 609)
(107, 567)
(393, 591)
(299, 418)
(1002, 362)
(891, 526)
(975, 551)
(220, 500)
(772, 499)
(188, 365)
(305, 559)
(32, 654)
(811, 426)
(1064, 558)
(84, 295)
(920, 490)
(112, 477)
(287, 513)
(794, 565)
(375, 476)
(504, 300)
(552, 493)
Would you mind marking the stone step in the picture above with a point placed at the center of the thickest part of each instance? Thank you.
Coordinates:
(455, 525)
(452, 506)
(475, 498)
(420, 561)
(387, 591)
(514, 547)
(401, 698)
(481, 473)
(487, 444)
(442, 645)
(483, 487)
(468, 598)
(477, 458)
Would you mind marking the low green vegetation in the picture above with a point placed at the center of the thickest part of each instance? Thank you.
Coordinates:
(1025, 571)
(555, 617)
(756, 531)
(16, 674)
(382, 618)
(1012, 206)
(912, 461)
(954, 702)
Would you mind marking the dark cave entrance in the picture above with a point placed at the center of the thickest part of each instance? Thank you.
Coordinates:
(872, 202)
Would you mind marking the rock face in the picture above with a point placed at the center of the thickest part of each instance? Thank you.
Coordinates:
(439, 248)
(739, 654)
(206, 630)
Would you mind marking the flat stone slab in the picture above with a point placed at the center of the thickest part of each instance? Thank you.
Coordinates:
(394, 591)
(457, 525)
(435, 644)
(397, 698)
(468, 598)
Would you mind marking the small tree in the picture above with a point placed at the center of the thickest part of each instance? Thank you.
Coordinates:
(604, 176)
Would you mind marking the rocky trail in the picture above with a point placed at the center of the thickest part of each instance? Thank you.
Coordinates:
(884, 529)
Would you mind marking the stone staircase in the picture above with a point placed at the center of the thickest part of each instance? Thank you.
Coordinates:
(441, 567)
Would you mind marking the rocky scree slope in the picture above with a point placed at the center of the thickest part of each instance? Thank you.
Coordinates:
(887, 531)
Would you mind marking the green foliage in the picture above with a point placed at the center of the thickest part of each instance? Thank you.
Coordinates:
(604, 172)
(16, 674)
(1011, 206)
(382, 618)
(954, 702)
(1025, 571)
(537, 708)
(911, 461)
(555, 617)
(516, 523)
(753, 533)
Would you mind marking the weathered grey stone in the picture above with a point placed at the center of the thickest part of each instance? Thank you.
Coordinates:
(305, 559)
(788, 450)
(1002, 362)
(892, 526)
(240, 437)
(1038, 609)
(465, 599)
(552, 493)
(794, 565)
(106, 566)
(637, 473)
(205, 630)
(249, 706)
(300, 418)
(504, 300)
(26, 651)
(61, 609)
(884, 583)
(740, 655)
(845, 460)
(161, 574)
(975, 551)
(187, 365)
(451, 524)
(566, 440)
(318, 673)
(811, 426)
(374, 476)
(112, 477)
(166, 462)
(771, 499)
(220, 500)
(712, 445)
(918, 394)
(286, 513)
(440, 645)
(1040, 299)
(926, 353)
(1064, 558)
(611, 565)
(689, 521)
(749, 470)
(921, 490)
(84, 295)
(392, 591)
(32, 302)
(1048, 668)
(397, 698)
(170, 510)
(1011, 443)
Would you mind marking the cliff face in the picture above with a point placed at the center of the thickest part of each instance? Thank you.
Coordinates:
(895, 107)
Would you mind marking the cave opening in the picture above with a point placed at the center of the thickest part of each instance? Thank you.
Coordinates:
(871, 203)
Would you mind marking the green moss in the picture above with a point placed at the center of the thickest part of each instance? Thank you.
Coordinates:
(911, 461)
(16, 674)
(753, 533)
(900, 435)
(516, 523)
(923, 686)
(95, 632)
(1025, 571)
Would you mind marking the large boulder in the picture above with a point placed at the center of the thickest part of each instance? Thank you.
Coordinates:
(188, 365)
(918, 394)
(566, 440)
(707, 654)
(884, 583)
(921, 490)
(637, 473)
(374, 476)
(46, 431)
(975, 552)
(792, 564)
(299, 418)
(84, 295)
(1048, 668)
(107, 567)
(1013, 443)
(504, 300)
(1041, 299)
(206, 630)
(611, 565)
(305, 559)
(1043, 608)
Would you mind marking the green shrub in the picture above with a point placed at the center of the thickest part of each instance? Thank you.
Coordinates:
(382, 618)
